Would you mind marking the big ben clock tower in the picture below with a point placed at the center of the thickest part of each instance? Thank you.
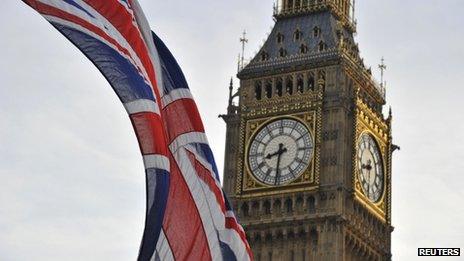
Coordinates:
(308, 149)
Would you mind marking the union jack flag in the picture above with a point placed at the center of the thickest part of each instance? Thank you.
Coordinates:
(188, 216)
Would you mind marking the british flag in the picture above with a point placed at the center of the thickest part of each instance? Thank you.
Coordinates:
(188, 216)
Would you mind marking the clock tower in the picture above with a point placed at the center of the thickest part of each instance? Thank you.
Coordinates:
(308, 149)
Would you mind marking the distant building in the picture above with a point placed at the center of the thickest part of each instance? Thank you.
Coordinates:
(308, 150)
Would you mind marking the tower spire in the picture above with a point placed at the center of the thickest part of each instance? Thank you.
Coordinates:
(244, 41)
(231, 89)
(383, 68)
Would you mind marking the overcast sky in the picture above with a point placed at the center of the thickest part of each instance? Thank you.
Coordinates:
(71, 177)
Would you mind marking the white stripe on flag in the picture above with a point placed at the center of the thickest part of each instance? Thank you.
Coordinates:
(142, 105)
(202, 202)
(102, 23)
(163, 249)
(156, 162)
(188, 138)
(175, 95)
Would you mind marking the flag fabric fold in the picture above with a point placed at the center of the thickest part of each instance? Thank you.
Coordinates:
(188, 216)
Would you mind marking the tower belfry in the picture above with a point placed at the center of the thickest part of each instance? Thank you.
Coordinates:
(308, 149)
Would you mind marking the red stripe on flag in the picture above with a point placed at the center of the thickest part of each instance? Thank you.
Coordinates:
(182, 223)
(205, 175)
(149, 131)
(123, 21)
(180, 117)
(231, 223)
(53, 11)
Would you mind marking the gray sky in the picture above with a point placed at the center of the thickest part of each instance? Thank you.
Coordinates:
(72, 180)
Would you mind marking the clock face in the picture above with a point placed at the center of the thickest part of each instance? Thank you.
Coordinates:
(370, 168)
(280, 152)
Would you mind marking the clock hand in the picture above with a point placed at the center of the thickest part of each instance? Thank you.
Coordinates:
(281, 151)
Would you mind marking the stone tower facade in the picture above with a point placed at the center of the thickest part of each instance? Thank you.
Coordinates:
(308, 149)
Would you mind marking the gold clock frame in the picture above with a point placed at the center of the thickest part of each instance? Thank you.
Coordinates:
(309, 180)
(367, 121)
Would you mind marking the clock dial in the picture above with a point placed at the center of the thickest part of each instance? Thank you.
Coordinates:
(280, 152)
(370, 168)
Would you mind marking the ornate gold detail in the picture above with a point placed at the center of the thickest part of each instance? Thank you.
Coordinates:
(367, 121)
(248, 185)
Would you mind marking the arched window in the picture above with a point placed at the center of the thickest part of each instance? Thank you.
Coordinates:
(297, 35)
(255, 208)
(322, 46)
(311, 205)
(297, 4)
(311, 82)
(316, 31)
(303, 49)
(300, 83)
(277, 207)
(245, 210)
(290, 4)
(289, 85)
(279, 87)
(305, 3)
(291, 234)
(299, 204)
(258, 90)
(267, 207)
(289, 205)
(269, 89)
(282, 52)
(264, 56)
(280, 38)
(314, 237)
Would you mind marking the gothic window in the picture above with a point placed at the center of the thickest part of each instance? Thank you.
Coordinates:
(299, 204)
(311, 81)
(258, 90)
(264, 56)
(245, 210)
(322, 46)
(297, 4)
(305, 3)
(282, 52)
(280, 38)
(290, 4)
(279, 87)
(255, 208)
(291, 234)
(289, 205)
(297, 35)
(269, 89)
(267, 207)
(303, 49)
(314, 237)
(317, 31)
(321, 78)
(311, 205)
(289, 85)
(277, 206)
(300, 83)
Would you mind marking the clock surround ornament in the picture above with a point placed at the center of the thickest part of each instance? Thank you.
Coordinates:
(280, 151)
(370, 168)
